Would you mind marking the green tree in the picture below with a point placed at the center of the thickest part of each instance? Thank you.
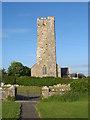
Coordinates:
(3, 71)
(80, 75)
(17, 69)
(27, 71)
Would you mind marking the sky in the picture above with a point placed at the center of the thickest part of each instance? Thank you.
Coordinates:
(19, 33)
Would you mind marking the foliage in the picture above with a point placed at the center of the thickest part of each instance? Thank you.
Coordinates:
(69, 96)
(45, 81)
(8, 79)
(88, 77)
(11, 98)
(17, 69)
(3, 71)
(80, 75)
(26, 71)
(79, 85)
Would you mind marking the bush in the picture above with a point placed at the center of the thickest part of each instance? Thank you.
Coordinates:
(79, 85)
(33, 81)
(11, 98)
(80, 75)
(45, 81)
(8, 79)
(67, 97)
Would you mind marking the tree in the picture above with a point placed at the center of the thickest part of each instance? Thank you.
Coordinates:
(3, 72)
(80, 75)
(27, 71)
(17, 69)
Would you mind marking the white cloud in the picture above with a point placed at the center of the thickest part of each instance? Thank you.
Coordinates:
(8, 32)
(79, 66)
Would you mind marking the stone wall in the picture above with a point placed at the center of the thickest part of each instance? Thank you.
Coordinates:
(56, 89)
(5, 92)
(58, 70)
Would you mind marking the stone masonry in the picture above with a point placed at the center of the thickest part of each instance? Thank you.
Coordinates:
(46, 49)
(5, 92)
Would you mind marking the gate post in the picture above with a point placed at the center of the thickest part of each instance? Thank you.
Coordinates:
(45, 92)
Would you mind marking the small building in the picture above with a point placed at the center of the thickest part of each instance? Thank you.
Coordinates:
(65, 72)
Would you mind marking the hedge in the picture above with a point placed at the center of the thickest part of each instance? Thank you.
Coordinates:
(8, 79)
(45, 81)
(76, 85)
(79, 85)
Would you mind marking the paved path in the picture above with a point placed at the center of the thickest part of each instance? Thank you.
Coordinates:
(28, 110)
(28, 103)
(27, 97)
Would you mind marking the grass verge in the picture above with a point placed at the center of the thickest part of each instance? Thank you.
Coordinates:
(10, 110)
(58, 109)
(55, 107)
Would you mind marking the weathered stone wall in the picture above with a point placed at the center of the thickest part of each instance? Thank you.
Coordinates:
(51, 48)
(58, 70)
(56, 89)
(46, 49)
(5, 92)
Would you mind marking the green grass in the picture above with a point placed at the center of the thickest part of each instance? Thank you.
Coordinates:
(29, 89)
(64, 107)
(10, 110)
(69, 96)
(0, 109)
(56, 109)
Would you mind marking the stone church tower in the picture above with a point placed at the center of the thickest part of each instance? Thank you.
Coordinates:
(46, 50)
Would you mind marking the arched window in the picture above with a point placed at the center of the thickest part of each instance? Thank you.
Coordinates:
(44, 70)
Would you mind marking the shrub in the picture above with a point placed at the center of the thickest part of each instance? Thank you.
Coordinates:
(79, 86)
(76, 85)
(67, 97)
(8, 79)
(80, 75)
(11, 98)
(45, 81)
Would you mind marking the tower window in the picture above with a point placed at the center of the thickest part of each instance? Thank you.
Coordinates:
(44, 70)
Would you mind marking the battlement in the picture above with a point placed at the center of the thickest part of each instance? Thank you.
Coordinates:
(48, 18)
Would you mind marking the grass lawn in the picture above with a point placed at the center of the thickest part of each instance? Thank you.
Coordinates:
(29, 89)
(10, 110)
(58, 109)
(0, 109)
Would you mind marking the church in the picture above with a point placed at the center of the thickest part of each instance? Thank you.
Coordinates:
(46, 65)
